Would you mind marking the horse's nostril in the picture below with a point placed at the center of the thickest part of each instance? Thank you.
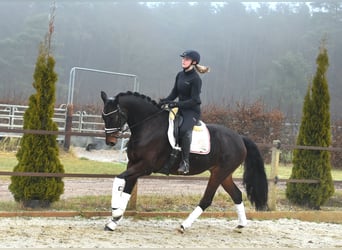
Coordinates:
(110, 143)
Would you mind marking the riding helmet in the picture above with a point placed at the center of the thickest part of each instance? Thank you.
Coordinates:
(192, 54)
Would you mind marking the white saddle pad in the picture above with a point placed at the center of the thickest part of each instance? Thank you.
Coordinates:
(200, 143)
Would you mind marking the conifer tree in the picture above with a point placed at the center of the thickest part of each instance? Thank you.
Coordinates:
(314, 130)
(39, 153)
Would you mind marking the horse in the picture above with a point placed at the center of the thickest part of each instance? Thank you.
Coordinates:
(148, 150)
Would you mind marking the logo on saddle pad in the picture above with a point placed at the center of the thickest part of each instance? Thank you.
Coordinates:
(200, 142)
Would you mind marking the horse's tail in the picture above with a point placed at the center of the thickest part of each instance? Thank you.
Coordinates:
(254, 177)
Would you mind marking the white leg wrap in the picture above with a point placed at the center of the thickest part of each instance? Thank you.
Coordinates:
(192, 217)
(121, 204)
(119, 198)
(240, 210)
(118, 187)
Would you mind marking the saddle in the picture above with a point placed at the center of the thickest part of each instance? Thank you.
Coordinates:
(200, 143)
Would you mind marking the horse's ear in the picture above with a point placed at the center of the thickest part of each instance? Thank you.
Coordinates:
(104, 96)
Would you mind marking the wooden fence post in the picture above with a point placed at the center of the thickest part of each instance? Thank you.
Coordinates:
(68, 126)
(272, 198)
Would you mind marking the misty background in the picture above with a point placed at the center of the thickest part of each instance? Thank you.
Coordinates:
(256, 50)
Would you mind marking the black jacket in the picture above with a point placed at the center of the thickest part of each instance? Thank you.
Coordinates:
(188, 89)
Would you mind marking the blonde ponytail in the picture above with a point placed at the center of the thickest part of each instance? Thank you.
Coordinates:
(202, 69)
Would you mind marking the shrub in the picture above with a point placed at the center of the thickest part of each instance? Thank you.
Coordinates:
(39, 153)
(314, 130)
(251, 120)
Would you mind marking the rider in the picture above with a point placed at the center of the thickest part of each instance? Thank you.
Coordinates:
(187, 88)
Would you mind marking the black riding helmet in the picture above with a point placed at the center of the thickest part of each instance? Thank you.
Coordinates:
(192, 54)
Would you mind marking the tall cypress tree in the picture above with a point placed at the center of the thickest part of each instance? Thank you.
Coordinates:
(314, 130)
(39, 153)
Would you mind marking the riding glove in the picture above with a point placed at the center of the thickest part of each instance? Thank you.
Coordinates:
(173, 105)
(168, 104)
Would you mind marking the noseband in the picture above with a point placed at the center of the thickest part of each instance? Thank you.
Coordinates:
(122, 120)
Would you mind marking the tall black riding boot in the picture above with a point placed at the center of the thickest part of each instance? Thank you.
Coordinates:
(173, 157)
(185, 145)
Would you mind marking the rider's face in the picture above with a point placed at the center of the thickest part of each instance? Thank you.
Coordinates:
(186, 62)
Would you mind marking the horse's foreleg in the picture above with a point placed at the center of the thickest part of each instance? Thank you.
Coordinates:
(121, 193)
(119, 203)
(119, 198)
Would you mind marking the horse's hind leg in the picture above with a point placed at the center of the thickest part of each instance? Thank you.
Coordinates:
(230, 187)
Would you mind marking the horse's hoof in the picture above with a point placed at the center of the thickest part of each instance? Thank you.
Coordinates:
(110, 225)
(238, 229)
(106, 228)
(181, 229)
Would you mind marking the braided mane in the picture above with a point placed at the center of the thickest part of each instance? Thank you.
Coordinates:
(142, 96)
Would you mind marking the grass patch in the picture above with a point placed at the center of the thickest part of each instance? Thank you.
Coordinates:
(334, 203)
(71, 163)
(170, 203)
(145, 203)
(83, 203)
(284, 172)
(10, 206)
(335, 200)
(9, 143)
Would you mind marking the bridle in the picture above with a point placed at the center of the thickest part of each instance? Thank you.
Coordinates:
(122, 121)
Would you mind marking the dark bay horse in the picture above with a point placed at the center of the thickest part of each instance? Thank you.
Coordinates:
(148, 150)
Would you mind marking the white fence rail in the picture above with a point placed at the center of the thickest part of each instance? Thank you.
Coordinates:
(12, 117)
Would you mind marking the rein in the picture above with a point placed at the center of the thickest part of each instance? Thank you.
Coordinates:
(144, 120)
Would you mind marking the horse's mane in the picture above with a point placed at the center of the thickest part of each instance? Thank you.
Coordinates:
(142, 96)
